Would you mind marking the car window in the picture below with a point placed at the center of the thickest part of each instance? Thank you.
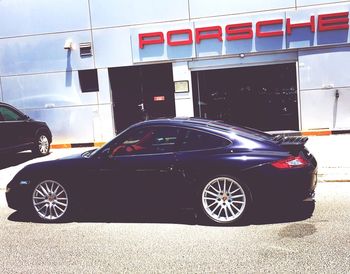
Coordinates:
(147, 141)
(195, 140)
(9, 115)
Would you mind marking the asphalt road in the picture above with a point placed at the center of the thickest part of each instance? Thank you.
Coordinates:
(177, 244)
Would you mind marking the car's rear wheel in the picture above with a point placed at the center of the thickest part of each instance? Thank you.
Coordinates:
(50, 201)
(41, 145)
(224, 200)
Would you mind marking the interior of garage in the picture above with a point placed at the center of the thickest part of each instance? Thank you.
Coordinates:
(141, 93)
(263, 97)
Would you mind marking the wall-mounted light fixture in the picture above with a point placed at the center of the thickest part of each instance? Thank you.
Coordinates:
(68, 44)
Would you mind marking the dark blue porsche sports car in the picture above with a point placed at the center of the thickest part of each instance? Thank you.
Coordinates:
(219, 170)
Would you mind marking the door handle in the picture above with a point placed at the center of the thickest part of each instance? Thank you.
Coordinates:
(104, 169)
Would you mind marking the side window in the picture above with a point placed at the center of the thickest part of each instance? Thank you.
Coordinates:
(195, 140)
(147, 141)
(9, 115)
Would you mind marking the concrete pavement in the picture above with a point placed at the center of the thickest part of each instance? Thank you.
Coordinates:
(333, 156)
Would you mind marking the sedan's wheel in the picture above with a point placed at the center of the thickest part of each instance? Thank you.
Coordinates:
(50, 200)
(42, 145)
(224, 200)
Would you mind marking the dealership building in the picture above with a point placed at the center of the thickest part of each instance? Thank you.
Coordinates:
(90, 68)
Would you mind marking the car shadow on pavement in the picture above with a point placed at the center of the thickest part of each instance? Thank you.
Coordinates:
(8, 160)
(273, 213)
(184, 217)
(265, 215)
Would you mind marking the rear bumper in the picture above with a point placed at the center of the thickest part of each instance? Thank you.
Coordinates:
(283, 185)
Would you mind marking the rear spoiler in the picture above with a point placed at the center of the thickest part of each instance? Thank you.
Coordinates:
(290, 140)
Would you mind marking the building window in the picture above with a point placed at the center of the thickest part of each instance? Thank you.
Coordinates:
(88, 80)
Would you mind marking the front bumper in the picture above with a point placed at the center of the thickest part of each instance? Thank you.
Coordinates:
(18, 197)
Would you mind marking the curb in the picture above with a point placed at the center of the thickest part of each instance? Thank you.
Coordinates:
(58, 146)
(324, 132)
(320, 132)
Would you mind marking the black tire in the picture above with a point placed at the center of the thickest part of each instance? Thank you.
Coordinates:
(223, 200)
(51, 202)
(41, 144)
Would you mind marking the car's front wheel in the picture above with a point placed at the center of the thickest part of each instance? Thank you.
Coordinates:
(41, 145)
(224, 200)
(50, 201)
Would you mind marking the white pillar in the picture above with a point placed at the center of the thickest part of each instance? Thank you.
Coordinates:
(183, 100)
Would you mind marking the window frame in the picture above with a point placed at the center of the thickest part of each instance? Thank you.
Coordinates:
(84, 80)
(20, 115)
(126, 135)
(229, 141)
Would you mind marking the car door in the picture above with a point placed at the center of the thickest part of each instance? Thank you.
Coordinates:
(138, 170)
(200, 155)
(13, 128)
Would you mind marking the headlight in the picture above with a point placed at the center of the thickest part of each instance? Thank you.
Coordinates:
(8, 189)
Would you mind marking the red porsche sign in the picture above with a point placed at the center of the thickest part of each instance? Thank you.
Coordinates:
(240, 31)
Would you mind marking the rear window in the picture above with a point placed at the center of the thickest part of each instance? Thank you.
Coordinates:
(196, 140)
(246, 131)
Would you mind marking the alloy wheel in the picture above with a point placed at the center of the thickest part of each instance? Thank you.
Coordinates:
(43, 145)
(224, 200)
(50, 200)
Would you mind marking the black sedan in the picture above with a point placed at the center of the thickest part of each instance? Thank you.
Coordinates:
(219, 170)
(19, 132)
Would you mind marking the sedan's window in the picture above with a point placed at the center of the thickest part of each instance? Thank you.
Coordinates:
(147, 141)
(9, 115)
(195, 140)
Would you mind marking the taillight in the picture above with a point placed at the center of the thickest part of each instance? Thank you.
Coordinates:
(290, 162)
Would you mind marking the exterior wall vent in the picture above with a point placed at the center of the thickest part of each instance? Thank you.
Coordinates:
(85, 49)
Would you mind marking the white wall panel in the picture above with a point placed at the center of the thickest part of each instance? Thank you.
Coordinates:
(104, 123)
(112, 47)
(204, 8)
(106, 13)
(250, 60)
(43, 53)
(317, 109)
(26, 17)
(1, 97)
(324, 68)
(317, 2)
(50, 90)
(183, 101)
(322, 109)
(58, 100)
(342, 109)
(104, 94)
(68, 124)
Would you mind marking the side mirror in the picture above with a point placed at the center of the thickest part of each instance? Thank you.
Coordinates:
(104, 154)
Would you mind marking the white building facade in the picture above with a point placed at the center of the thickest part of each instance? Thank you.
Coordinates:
(90, 68)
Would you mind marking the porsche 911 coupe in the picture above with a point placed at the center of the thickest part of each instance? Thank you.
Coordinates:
(221, 171)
